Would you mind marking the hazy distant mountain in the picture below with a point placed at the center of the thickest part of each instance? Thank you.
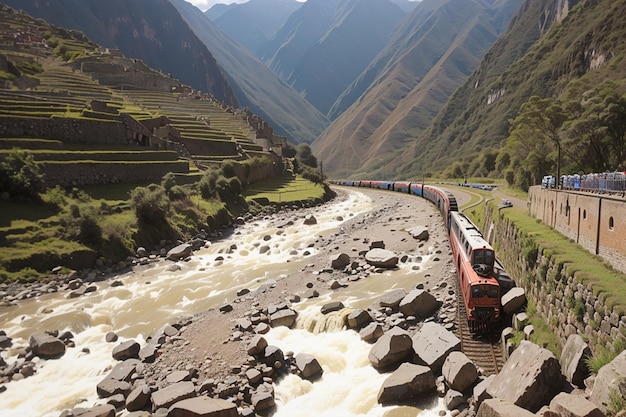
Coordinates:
(256, 86)
(150, 30)
(327, 43)
(406, 5)
(429, 55)
(253, 23)
(547, 46)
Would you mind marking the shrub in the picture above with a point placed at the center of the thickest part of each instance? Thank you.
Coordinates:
(228, 189)
(207, 184)
(20, 176)
(177, 193)
(311, 174)
(168, 181)
(228, 169)
(150, 203)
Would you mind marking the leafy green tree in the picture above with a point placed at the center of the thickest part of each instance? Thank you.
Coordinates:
(150, 203)
(20, 176)
(534, 133)
(305, 155)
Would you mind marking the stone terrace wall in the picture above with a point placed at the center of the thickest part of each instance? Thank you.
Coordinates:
(597, 222)
(567, 305)
(84, 173)
(69, 130)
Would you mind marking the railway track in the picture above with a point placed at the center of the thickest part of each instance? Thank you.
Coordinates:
(485, 349)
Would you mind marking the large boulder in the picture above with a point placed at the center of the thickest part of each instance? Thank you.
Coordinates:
(126, 350)
(123, 371)
(381, 258)
(574, 360)
(406, 382)
(308, 366)
(171, 394)
(358, 319)
(433, 343)
(372, 332)
(339, 261)
(203, 407)
(513, 300)
(285, 317)
(139, 398)
(419, 232)
(496, 407)
(392, 348)
(529, 379)
(419, 303)
(611, 380)
(392, 298)
(181, 251)
(45, 345)
(104, 410)
(109, 387)
(459, 371)
(574, 406)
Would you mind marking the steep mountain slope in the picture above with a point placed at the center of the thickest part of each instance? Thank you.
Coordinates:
(428, 56)
(548, 45)
(320, 50)
(255, 85)
(254, 22)
(150, 30)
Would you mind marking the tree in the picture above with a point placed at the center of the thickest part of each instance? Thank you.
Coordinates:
(305, 155)
(539, 122)
(20, 176)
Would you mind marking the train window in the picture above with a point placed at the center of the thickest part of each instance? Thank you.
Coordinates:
(492, 291)
(484, 256)
(476, 292)
(584, 214)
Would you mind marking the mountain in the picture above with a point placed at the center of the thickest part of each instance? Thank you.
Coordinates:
(549, 46)
(326, 44)
(253, 23)
(256, 86)
(150, 30)
(429, 55)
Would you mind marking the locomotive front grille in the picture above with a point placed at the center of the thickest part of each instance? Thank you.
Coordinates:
(484, 314)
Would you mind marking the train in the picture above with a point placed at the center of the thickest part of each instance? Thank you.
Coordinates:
(482, 279)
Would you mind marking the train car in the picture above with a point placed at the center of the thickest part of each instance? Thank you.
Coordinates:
(443, 200)
(475, 259)
(416, 188)
(402, 186)
(366, 184)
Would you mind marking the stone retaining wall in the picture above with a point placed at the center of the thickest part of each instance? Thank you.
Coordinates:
(567, 305)
(84, 173)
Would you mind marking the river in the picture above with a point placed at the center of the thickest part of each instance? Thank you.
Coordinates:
(213, 275)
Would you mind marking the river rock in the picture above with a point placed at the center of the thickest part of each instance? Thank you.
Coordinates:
(419, 233)
(262, 400)
(105, 410)
(433, 343)
(381, 258)
(372, 332)
(203, 407)
(358, 318)
(574, 406)
(340, 261)
(165, 397)
(453, 399)
(126, 350)
(332, 306)
(254, 376)
(308, 366)
(310, 220)
(392, 298)
(257, 345)
(273, 355)
(138, 398)
(393, 347)
(45, 345)
(611, 378)
(179, 252)
(149, 351)
(5, 341)
(496, 407)
(406, 382)
(419, 303)
(285, 317)
(459, 371)
(573, 360)
(123, 371)
(513, 300)
(529, 379)
(109, 387)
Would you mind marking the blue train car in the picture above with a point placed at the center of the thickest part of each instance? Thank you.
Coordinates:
(402, 186)
(416, 188)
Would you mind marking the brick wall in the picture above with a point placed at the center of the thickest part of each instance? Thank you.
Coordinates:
(597, 222)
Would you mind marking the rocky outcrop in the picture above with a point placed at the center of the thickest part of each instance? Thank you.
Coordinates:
(611, 380)
(392, 348)
(432, 344)
(381, 258)
(529, 379)
(573, 360)
(496, 407)
(418, 303)
(459, 371)
(406, 382)
(45, 345)
(569, 405)
(513, 300)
